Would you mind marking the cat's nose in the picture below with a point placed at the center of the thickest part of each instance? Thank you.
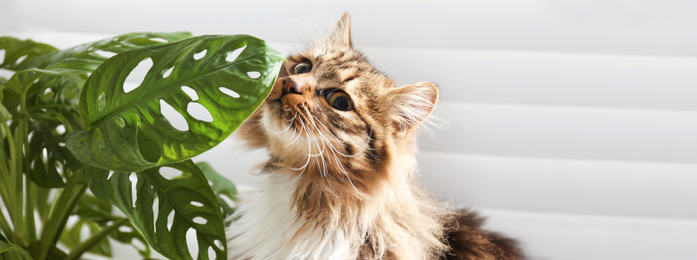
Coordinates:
(290, 87)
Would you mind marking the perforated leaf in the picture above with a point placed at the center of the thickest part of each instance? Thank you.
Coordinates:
(127, 130)
(165, 203)
(19, 51)
(223, 188)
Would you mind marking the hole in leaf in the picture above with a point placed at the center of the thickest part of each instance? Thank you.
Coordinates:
(170, 220)
(200, 220)
(111, 173)
(72, 221)
(160, 40)
(48, 95)
(60, 129)
(170, 173)
(175, 119)
(61, 144)
(120, 122)
(129, 86)
(84, 232)
(106, 54)
(137, 75)
(232, 56)
(200, 55)
(192, 242)
(134, 184)
(229, 92)
(196, 204)
(218, 244)
(155, 208)
(254, 74)
(21, 59)
(125, 229)
(190, 92)
(211, 253)
(199, 112)
(167, 72)
(101, 101)
(59, 167)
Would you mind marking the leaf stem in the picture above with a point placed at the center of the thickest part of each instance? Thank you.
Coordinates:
(29, 220)
(18, 173)
(80, 249)
(12, 187)
(60, 211)
(5, 227)
(14, 249)
(5, 179)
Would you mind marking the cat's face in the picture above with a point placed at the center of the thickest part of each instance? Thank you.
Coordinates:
(332, 116)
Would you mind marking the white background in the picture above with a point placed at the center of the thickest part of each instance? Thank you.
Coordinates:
(571, 124)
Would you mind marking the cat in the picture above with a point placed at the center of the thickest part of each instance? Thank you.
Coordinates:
(341, 185)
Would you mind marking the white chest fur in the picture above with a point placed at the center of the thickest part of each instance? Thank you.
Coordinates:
(265, 226)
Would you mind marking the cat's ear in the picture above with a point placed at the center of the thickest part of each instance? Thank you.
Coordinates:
(342, 32)
(412, 104)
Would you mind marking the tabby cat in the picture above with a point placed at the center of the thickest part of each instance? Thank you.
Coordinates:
(342, 142)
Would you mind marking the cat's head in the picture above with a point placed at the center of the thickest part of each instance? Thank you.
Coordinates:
(333, 117)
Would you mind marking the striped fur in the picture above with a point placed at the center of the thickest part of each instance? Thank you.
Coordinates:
(342, 184)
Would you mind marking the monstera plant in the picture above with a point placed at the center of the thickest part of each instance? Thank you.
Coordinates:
(87, 154)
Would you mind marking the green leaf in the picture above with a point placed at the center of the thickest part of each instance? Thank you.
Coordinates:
(5, 115)
(87, 57)
(128, 132)
(221, 186)
(148, 198)
(49, 85)
(130, 235)
(17, 51)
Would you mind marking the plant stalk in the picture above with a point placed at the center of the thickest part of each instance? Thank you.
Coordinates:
(15, 250)
(15, 184)
(80, 249)
(5, 227)
(60, 211)
(20, 136)
(6, 180)
(29, 219)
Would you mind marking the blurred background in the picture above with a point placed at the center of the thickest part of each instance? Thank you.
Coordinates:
(571, 124)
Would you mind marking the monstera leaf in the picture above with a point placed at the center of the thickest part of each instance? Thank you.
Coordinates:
(19, 51)
(126, 129)
(165, 204)
(49, 81)
(224, 189)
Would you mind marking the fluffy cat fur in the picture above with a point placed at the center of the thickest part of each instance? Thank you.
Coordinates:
(342, 181)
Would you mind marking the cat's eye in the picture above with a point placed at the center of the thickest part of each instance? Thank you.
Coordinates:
(339, 100)
(302, 67)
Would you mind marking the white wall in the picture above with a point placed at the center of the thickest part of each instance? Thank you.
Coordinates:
(572, 124)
